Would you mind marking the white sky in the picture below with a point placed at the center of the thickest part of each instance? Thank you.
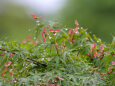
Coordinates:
(43, 6)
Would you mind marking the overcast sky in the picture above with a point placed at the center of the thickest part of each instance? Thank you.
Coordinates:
(43, 6)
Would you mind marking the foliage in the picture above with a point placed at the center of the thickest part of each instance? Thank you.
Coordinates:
(64, 57)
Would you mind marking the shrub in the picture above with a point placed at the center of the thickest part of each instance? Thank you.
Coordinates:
(58, 57)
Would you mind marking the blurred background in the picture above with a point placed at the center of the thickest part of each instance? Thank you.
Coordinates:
(98, 16)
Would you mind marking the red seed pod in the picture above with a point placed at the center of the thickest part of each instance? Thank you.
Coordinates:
(54, 31)
(1, 54)
(94, 45)
(95, 54)
(44, 35)
(3, 49)
(11, 73)
(63, 44)
(35, 17)
(29, 38)
(2, 74)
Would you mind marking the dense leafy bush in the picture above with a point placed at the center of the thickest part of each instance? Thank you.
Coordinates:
(58, 57)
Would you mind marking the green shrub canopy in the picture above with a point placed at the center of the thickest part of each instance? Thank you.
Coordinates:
(58, 57)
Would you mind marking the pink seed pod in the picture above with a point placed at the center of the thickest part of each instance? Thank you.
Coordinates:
(113, 63)
(88, 54)
(101, 47)
(99, 54)
(35, 17)
(7, 64)
(57, 30)
(76, 23)
(60, 78)
(63, 43)
(95, 54)
(94, 45)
